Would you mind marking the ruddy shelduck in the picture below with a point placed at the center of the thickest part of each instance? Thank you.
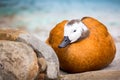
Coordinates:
(82, 45)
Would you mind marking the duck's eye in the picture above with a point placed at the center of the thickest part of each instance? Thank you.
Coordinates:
(74, 31)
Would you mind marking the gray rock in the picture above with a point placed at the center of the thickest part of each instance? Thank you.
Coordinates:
(17, 61)
(43, 50)
(93, 75)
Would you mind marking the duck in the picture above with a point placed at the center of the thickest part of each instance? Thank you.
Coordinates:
(82, 45)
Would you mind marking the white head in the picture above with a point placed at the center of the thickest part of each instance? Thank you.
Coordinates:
(74, 30)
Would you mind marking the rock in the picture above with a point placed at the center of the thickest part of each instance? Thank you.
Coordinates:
(42, 64)
(18, 61)
(10, 34)
(41, 76)
(93, 75)
(50, 60)
(44, 50)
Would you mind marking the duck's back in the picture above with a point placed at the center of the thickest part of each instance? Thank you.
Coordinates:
(92, 53)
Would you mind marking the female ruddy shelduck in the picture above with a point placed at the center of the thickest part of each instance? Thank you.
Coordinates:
(82, 45)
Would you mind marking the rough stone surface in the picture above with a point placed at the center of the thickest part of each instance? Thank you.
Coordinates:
(17, 61)
(43, 50)
(42, 64)
(93, 75)
(10, 34)
(41, 76)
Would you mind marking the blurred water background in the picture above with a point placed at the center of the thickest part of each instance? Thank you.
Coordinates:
(40, 16)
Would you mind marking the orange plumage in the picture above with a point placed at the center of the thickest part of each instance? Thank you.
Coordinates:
(92, 53)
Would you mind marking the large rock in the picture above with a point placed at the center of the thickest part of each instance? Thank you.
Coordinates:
(17, 61)
(46, 56)
(44, 50)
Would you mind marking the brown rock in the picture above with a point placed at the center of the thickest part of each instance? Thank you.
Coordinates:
(42, 63)
(17, 61)
(10, 34)
(41, 76)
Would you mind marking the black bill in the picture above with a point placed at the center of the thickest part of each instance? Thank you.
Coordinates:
(65, 42)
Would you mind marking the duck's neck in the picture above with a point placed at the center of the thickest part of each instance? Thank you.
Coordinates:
(84, 32)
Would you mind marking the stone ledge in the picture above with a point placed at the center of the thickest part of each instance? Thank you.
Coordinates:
(93, 75)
